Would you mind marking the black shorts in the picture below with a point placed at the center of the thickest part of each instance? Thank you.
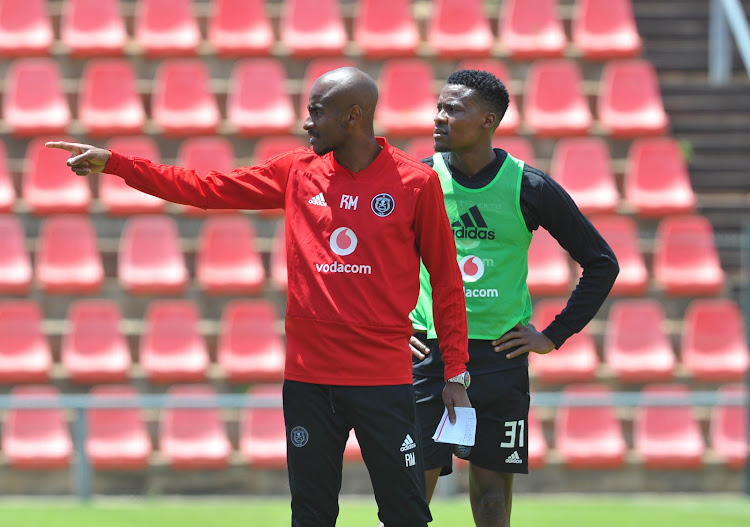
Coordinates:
(501, 400)
(318, 419)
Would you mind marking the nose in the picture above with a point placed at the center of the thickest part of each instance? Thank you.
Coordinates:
(308, 124)
(440, 117)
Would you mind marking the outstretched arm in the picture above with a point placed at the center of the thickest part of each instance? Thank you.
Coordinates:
(259, 187)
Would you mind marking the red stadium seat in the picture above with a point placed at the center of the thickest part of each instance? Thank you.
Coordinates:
(94, 350)
(518, 147)
(25, 354)
(240, 28)
(549, 266)
(150, 260)
(268, 147)
(407, 101)
(109, 103)
(713, 347)
(629, 102)
(250, 348)
(605, 30)
(537, 443)
(315, 68)
(686, 260)
(194, 438)
(93, 28)
(637, 348)
(172, 348)
(278, 259)
(49, 186)
(25, 28)
(37, 438)
(15, 263)
(166, 28)
(589, 437)
(512, 119)
(656, 179)
(7, 190)
(575, 361)
(384, 32)
(204, 154)
(34, 101)
(531, 29)
(227, 260)
(117, 438)
(68, 259)
(667, 435)
(584, 169)
(262, 431)
(728, 434)
(621, 233)
(459, 29)
(554, 103)
(312, 29)
(115, 195)
(183, 103)
(258, 103)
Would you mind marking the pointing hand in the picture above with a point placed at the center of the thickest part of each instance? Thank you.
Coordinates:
(84, 159)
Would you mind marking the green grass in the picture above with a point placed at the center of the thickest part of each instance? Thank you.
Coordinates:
(528, 511)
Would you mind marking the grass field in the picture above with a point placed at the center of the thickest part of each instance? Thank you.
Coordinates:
(554, 511)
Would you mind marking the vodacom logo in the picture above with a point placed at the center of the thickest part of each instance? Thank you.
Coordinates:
(343, 241)
(472, 268)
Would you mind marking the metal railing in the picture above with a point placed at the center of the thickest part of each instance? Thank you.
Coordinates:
(80, 403)
(726, 16)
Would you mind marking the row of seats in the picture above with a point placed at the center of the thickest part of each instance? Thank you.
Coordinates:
(589, 437)
(637, 347)
(526, 29)
(629, 102)
(656, 181)
(228, 261)
(150, 257)
(172, 347)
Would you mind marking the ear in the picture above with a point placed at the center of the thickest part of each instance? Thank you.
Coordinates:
(490, 120)
(353, 115)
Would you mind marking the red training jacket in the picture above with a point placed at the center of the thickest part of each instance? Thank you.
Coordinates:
(354, 241)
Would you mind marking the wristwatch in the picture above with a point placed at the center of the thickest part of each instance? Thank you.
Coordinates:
(464, 379)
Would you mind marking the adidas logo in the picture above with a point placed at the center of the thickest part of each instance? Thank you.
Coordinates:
(318, 200)
(471, 225)
(408, 444)
(514, 458)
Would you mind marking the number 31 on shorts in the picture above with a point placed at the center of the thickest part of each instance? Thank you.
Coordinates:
(514, 430)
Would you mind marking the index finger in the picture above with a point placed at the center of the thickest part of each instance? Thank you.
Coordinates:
(62, 145)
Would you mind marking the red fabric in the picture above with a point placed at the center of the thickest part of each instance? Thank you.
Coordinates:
(342, 328)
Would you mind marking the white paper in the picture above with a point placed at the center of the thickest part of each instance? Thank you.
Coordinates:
(461, 433)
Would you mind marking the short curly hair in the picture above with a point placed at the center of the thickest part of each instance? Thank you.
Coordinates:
(490, 89)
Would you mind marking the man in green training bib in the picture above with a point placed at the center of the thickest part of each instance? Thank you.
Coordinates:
(494, 203)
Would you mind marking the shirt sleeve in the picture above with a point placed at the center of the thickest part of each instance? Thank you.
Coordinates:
(259, 187)
(545, 203)
(438, 251)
